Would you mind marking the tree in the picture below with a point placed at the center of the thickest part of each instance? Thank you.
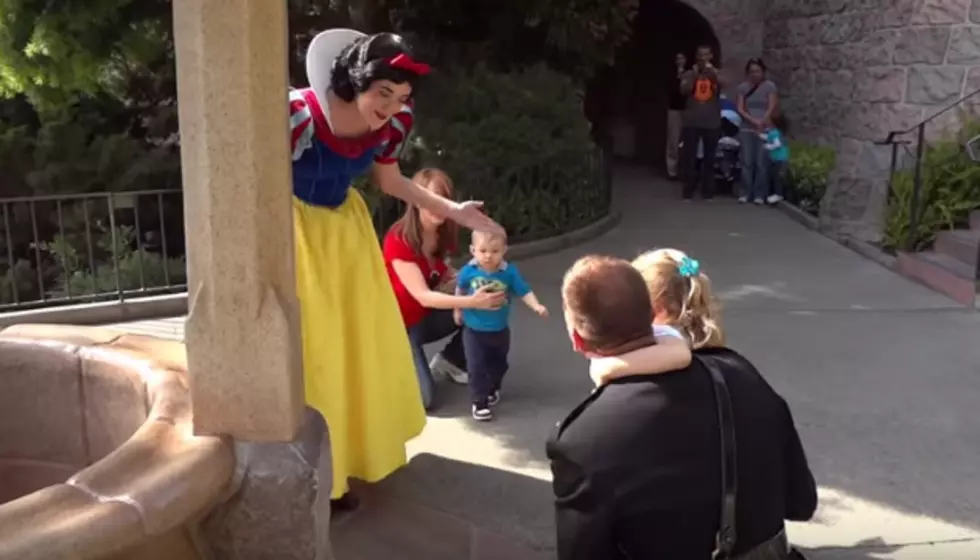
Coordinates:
(54, 51)
(573, 36)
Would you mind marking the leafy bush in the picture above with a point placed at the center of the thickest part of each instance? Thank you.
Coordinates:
(138, 268)
(519, 142)
(950, 191)
(66, 270)
(807, 174)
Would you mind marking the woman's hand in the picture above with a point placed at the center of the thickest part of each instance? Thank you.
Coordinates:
(485, 299)
(469, 215)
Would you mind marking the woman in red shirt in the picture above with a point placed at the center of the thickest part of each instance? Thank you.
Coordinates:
(416, 251)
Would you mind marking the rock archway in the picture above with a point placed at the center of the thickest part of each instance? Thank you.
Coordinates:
(628, 101)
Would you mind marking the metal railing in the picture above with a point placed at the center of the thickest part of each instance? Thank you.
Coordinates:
(589, 180)
(58, 250)
(898, 138)
(92, 247)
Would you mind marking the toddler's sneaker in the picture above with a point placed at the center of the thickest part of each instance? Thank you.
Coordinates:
(482, 412)
(442, 366)
(743, 199)
(774, 199)
(494, 399)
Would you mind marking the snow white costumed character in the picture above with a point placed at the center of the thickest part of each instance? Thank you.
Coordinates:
(354, 119)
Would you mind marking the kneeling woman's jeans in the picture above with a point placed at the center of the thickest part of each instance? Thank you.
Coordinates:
(436, 325)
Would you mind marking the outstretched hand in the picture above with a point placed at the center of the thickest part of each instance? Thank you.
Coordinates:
(469, 214)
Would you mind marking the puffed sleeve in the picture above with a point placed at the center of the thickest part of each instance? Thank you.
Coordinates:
(300, 123)
(399, 130)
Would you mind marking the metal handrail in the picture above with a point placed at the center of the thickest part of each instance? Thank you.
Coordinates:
(933, 116)
(894, 140)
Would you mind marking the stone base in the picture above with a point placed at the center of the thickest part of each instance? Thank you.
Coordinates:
(280, 506)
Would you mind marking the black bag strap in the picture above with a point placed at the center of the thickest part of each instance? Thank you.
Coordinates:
(751, 91)
(727, 535)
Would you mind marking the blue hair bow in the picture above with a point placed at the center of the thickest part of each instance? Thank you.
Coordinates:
(689, 267)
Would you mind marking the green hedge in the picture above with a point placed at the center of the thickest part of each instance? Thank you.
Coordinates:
(807, 175)
(519, 142)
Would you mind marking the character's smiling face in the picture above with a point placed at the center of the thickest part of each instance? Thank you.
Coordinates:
(381, 101)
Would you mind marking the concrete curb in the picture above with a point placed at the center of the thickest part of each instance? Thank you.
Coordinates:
(863, 248)
(136, 309)
(798, 215)
(531, 249)
(175, 305)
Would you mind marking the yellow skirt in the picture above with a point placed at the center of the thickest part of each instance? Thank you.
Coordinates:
(358, 365)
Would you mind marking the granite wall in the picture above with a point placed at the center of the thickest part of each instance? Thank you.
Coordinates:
(850, 71)
(738, 25)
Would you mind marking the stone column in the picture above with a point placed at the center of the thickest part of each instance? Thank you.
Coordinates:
(242, 336)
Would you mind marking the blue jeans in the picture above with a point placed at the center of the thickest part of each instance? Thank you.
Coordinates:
(437, 325)
(776, 170)
(486, 356)
(755, 165)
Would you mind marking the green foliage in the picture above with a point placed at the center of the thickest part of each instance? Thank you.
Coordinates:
(137, 268)
(950, 191)
(574, 36)
(516, 141)
(807, 175)
(53, 50)
(67, 271)
(88, 104)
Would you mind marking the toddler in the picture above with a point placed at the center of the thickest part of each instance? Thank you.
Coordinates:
(683, 305)
(486, 332)
(778, 152)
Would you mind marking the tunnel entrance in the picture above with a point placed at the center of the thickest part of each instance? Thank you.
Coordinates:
(627, 102)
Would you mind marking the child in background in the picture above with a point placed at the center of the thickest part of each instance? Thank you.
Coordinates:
(683, 304)
(778, 151)
(486, 332)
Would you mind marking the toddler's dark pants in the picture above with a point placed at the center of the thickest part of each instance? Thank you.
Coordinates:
(486, 361)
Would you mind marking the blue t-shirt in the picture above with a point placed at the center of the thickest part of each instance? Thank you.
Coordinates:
(778, 151)
(666, 330)
(507, 279)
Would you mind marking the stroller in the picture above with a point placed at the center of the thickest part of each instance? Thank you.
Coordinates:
(728, 166)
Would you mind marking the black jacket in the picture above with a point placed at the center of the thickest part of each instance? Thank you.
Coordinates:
(637, 466)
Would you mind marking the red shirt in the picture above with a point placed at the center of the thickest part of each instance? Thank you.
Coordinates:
(396, 249)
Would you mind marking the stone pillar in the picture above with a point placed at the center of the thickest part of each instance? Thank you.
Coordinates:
(279, 507)
(243, 340)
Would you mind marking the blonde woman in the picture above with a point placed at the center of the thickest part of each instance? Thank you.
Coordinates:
(684, 306)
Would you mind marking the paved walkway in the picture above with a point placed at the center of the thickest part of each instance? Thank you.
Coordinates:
(880, 372)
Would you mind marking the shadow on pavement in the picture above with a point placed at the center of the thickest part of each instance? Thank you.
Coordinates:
(441, 509)
(496, 500)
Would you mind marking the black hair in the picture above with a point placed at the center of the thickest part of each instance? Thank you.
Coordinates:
(779, 121)
(755, 62)
(705, 46)
(365, 61)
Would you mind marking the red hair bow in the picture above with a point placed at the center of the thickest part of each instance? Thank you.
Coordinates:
(405, 62)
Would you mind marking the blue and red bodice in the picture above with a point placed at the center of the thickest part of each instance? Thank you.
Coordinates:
(324, 165)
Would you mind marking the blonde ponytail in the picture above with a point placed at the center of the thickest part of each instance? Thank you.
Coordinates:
(680, 291)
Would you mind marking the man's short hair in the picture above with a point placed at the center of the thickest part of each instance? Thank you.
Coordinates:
(607, 302)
